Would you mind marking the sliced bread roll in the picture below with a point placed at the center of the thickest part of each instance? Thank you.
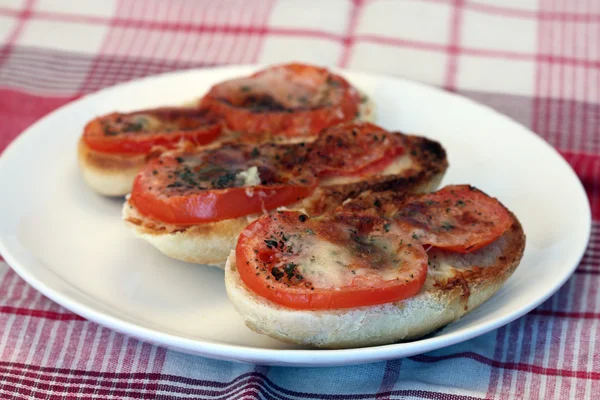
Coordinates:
(108, 174)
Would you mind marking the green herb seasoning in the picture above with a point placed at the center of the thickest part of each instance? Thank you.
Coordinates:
(447, 226)
(271, 244)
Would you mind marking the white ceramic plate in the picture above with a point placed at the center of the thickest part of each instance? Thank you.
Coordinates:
(71, 245)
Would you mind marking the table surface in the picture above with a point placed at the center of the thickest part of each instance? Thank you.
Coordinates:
(536, 61)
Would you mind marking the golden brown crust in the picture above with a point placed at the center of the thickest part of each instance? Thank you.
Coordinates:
(106, 173)
(208, 243)
(475, 278)
(428, 163)
(109, 161)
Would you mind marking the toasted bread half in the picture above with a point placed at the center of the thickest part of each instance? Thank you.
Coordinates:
(106, 173)
(420, 169)
(456, 284)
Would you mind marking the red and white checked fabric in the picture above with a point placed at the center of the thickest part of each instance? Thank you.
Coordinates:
(537, 61)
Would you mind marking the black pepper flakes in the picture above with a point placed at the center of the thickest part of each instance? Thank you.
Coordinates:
(271, 244)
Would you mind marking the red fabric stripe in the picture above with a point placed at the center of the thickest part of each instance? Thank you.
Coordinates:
(454, 45)
(19, 110)
(493, 9)
(378, 39)
(538, 92)
(258, 49)
(529, 324)
(560, 103)
(103, 342)
(586, 81)
(523, 367)
(510, 354)
(527, 14)
(257, 390)
(22, 17)
(588, 169)
(587, 271)
(566, 314)
(88, 85)
(258, 381)
(495, 372)
(498, 9)
(390, 377)
(572, 111)
(349, 38)
(196, 27)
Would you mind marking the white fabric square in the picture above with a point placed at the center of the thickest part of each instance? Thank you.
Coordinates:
(498, 32)
(7, 26)
(278, 49)
(221, 12)
(60, 35)
(12, 4)
(412, 20)
(330, 16)
(496, 75)
(103, 8)
(421, 65)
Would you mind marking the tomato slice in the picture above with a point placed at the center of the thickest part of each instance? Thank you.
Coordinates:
(138, 132)
(457, 218)
(329, 263)
(289, 100)
(357, 148)
(230, 181)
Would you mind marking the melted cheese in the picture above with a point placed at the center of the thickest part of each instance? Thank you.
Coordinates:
(325, 265)
(366, 110)
(149, 122)
(398, 166)
(249, 177)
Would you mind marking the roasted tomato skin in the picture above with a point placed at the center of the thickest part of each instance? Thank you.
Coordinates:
(280, 259)
(141, 131)
(189, 189)
(354, 149)
(458, 218)
(289, 100)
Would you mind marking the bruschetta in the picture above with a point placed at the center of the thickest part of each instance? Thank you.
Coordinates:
(115, 147)
(292, 100)
(192, 206)
(386, 267)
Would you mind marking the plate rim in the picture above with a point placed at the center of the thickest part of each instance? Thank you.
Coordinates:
(291, 357)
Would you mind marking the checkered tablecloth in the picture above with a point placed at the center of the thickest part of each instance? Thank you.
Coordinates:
(536, 61)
